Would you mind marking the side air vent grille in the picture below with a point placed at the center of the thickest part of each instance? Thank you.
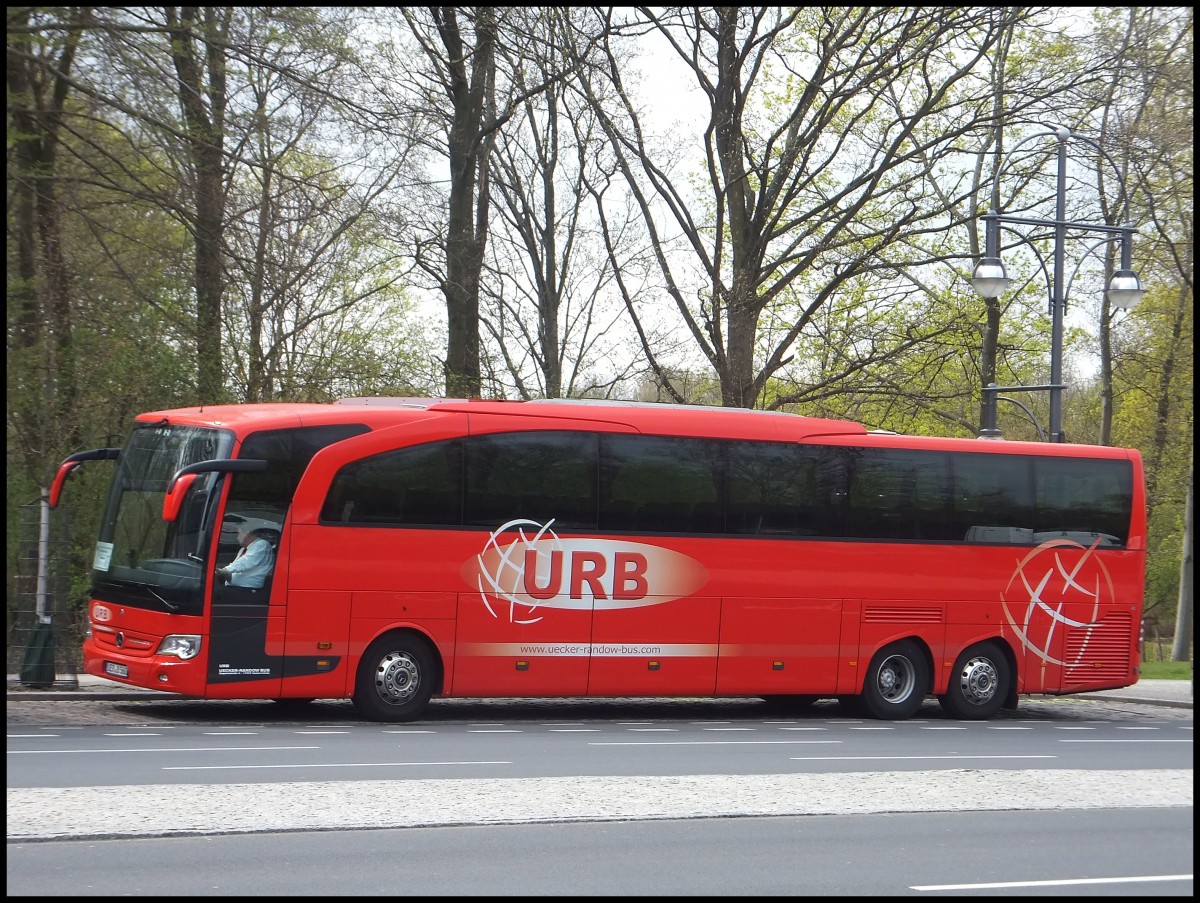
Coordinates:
(1101, 654)
(895, 614)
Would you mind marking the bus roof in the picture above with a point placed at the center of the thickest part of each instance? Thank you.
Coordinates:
(646, 417)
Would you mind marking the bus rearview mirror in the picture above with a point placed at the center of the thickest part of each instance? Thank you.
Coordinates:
(176, 493)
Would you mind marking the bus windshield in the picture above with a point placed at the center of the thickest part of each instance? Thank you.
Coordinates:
(142, 560)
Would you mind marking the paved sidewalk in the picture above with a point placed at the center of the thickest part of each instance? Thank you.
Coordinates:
(1174, 693)
(1171, 693)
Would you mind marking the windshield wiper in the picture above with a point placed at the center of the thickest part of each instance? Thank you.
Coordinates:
(150, 589)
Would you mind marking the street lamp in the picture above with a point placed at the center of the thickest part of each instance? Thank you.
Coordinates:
(991, 278)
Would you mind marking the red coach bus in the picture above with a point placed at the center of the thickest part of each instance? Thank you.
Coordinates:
(439, 547)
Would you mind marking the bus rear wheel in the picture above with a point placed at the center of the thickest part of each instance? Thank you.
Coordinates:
(395, 679)
(896, 683)
(979, 684)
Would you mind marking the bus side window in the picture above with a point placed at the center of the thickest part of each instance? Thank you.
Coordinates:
(421, 484)
(268, 494)
(705, 518)
(662, 479)
(536, 475)
(378, 506)
(1087, 501)
(993, 492)
(424, 506)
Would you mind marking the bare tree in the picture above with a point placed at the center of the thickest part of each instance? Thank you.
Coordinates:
(546, 297)
(1151, 361)
(473, 84)
(243, 125)
(463, 65)
(41, 55)
(827, 127)
(307, 235)
(199, 38)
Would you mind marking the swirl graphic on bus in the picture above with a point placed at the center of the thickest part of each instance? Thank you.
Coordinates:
(526, 567)
(1055, 574)
(502, 568)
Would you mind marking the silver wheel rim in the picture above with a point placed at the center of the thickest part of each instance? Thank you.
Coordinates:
(978, 681)
(897, 679)
(397, 678)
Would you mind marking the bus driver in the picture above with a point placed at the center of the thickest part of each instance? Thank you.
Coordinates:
(253, 562)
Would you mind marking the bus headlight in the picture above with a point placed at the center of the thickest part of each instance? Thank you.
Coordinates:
(181, 645)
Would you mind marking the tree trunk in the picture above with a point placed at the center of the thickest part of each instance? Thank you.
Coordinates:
(466, 225)
(205, 132)
(43, 295)
(1181, 649)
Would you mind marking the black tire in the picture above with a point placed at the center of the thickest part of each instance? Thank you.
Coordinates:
(790, 703)
(395, 679)
(979, 685)
(897, 682)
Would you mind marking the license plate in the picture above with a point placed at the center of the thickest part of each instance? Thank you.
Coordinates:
(116, 670)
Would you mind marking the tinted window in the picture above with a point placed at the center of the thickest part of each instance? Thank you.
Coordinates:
(260, 500)
(287, 453)
(657, 484)
(540, 476)
(786, 490)
(993, 498)
(898, 494)
(660, 484)
(421, 485)
(1083, 500)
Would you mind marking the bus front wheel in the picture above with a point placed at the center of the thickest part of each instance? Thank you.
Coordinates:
(896, 682)
(979, 684)
(395, 679)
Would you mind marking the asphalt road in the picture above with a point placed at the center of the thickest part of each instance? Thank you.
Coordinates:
(1131, 853)
(107, 766)
(936, 824)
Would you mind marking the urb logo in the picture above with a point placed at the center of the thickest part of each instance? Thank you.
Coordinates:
(525, 566)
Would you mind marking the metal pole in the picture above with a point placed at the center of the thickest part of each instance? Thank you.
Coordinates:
(989, 429)
(1057, 301)
(1124, 289)
(991, 243)
(43, 605)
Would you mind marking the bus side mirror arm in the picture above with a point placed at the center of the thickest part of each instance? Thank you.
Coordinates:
(73, 461)
(181, 482)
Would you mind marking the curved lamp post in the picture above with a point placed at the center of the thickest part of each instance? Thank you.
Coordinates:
(991, 278)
